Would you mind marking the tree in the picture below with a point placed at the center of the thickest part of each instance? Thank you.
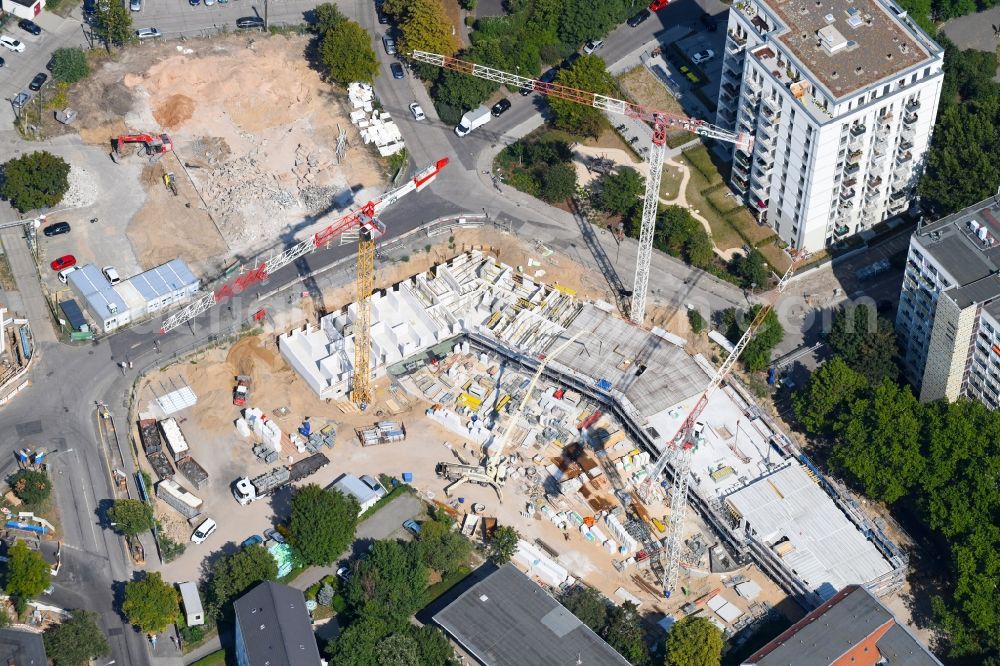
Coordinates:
(35, 180)
(677, 233)
(751, 269)
(357, 645)
(757, 354)
(76, 641)
(831, 389)
(150, 603)
(696, 321)
(589, 606)
(441, 548)
(865, 341)
(587, 73)
(234, 574)
(623, 632)
(879, 445)
(503, 544)
(347, 54)
(694, 641)
(322, 523)
(28, 574)
(326, 17)
(31, 486)
(424, 26)
(432, 645)
(398, 650)
(131, 516)
(581, 20)
(113, 24)
(388, 584)
(621, 191)
(558, 182)
(455, 93)
(69, 65)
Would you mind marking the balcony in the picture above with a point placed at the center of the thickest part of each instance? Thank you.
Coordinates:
(730, 89)
(740, 183)
(735, 50)
(858, 130)
(904, 158)
(846, 193)
(905, 145)
(909, 118)
(850, 182)
(875, 183)
(841, 231)
(741, 40)
(846, 205)
(908, 132)
(913, 106)
(851, 169)
(854, 157)
(742, 159)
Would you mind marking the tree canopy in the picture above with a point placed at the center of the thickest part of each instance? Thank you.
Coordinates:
(28, 574)
(35, 180)
(322, 523)
(621, 191)
(346, 52)
(31, 486)
(69, 65)
(587, 73)
(756, 355)
(503, 544)
(150, 603)
(623, 632)
(325, 17)
(237, 572)
(824, 401)
(423, 26)
(131, 516)
(113, 24)
(694, 641)
(440, 547)
(865, 341)
(751, 269)
(589, 606)
(387, 584)
(680, 235)
(76, 641)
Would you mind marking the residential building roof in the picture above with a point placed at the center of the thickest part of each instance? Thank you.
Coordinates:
(23, 648)
(853, 625)
(965, 244)
(275, 627)
(508, 620)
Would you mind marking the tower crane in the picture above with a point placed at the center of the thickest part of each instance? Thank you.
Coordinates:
(680, 448)
(661, 122)
(493, 470)
(370, 228)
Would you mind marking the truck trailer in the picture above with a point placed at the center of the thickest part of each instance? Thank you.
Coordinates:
(473, 119)
(247, 490)
(175, 439)
(179, 498)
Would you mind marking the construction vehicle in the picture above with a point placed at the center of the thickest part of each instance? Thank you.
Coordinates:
(493, 470)
(152, 146)
(247, 490)
(242, 390)
(661, 121)
(365, 222)
(170, 181)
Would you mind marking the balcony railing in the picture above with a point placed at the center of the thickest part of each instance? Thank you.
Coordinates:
(740, 183)
(904, 158)
(905, 145)
(847, 193)
(875, 183)
(846, 205)
(736, 37)
(858, 130)
(913, 105)
(851, 169)
(842, 230)
(850, 182)
(854, 157)
(909, 118)
(742, 159)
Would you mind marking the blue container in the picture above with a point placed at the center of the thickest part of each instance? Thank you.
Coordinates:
(407, 477)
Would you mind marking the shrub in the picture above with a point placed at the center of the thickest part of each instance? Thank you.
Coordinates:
(696, 321)
(31, 486)
(35, 180)
(69, 65)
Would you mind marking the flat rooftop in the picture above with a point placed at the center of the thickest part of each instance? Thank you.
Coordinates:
(509, 620)
(847, 44)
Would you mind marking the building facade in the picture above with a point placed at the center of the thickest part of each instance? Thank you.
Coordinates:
(948, 321)
(839, 97)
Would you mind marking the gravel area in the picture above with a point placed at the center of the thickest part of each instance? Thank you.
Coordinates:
(82, 190)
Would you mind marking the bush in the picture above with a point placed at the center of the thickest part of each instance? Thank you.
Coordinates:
(69, 65)
(30, 486)
(192, 634)
(696, 321)
(35, 180)
(468, 4)
(131, 516)
(558, 183)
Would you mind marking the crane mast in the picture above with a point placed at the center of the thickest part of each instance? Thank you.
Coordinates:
(661, 122)
(370, 229)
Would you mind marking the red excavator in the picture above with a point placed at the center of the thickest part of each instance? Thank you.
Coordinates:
(151, 145)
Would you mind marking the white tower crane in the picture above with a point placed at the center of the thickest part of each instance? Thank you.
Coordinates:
(661, 121)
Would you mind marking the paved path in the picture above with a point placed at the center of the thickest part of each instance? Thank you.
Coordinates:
(22, 265)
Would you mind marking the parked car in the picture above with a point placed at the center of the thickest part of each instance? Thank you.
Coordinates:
(526, 89)
(500, 107)
(38, 81)
(373, 483)
(568, 62)
(397, 71)
(30, 27)
(549, 75)
(147, 33)
(205, 530)
(418, 113)
(56, 229)
(593, 45)
(64, 274)
(62, 262)
(111, 274)
(252, 540)
(344, 574)
(209, 3)
(382, 18)
(135, 5)
(639, 18)
(413, 526)
(12, 44)
(702, 56)
(249, 22)
(274, 535)
(194, 3)
(657, 5)
(389, 44)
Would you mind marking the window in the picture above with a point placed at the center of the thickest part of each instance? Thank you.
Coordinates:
(885, 89)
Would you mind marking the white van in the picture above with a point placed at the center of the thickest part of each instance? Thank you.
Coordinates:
(64, 274)
(111, 274)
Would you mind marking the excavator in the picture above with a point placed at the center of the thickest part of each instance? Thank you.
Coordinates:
(493, 470)
(152, 146)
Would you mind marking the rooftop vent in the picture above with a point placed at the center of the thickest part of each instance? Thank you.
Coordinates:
(829, 18)
(854, 21)
(859, 70)
(831, 39)
(888, 56)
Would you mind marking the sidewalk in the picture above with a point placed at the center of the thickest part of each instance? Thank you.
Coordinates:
(22, 266)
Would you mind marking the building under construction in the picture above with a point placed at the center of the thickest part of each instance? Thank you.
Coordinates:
(764, 499)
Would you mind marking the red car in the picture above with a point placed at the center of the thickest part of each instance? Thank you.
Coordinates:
(657, 5)
(63, 262)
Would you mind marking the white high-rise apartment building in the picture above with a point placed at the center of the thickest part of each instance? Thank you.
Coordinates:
(840, 97)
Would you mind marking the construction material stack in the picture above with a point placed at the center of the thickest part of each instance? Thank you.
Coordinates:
(152, 445)
(383, 432)
(376, 126)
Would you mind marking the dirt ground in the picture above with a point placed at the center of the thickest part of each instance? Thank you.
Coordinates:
(254, 131)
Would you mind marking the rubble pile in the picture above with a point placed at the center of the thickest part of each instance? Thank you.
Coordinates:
(82, 190)
(242, 189)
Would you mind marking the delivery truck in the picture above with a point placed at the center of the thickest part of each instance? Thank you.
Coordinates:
(472, 120)
(247, 490)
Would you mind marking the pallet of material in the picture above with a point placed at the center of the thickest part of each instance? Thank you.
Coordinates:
(192, 471)
(161, 465)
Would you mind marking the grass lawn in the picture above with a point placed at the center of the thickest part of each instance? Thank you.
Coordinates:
(747, 227)
(642, 87)
(719, 197)
(670, 182)
(699, 158)
(679, 138)
(214, 659)
(724, 236)
(776, 257)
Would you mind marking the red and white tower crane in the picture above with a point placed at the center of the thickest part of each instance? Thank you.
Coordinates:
(661, 121)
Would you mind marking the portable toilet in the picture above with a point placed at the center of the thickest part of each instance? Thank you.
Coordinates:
(194, 614)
